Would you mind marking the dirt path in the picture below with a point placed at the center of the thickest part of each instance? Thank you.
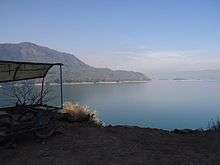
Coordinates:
(115, 146)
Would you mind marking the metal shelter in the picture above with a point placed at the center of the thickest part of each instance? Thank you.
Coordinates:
(11, 71)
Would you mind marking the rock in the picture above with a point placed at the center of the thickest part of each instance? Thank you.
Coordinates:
(186, 131)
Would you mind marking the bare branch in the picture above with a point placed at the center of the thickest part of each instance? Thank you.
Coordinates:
(27, 93)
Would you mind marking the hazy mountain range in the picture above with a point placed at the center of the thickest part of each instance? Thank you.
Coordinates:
(74, 69)
(190, 75)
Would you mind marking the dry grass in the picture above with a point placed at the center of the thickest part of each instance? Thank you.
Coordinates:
(78, 113)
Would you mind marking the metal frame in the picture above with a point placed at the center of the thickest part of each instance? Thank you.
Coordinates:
(37, 63)
(38, 112)
(43, 77)
(61, 86)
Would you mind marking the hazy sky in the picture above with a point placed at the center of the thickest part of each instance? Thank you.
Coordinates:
(141, 35)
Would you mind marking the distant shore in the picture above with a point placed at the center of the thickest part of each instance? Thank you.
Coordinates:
(99, 82)
(121, 82)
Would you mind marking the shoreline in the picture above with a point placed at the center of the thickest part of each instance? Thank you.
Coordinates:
(120, 82)
(100, 82)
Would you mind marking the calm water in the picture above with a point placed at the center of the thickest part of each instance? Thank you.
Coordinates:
(162, 104)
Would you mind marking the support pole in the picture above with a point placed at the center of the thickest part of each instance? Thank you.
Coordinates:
(42, 90)
(61, 87)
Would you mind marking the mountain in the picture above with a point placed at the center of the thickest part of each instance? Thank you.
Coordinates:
(74, 70)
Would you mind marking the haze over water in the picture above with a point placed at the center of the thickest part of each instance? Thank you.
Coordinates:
(161, 104)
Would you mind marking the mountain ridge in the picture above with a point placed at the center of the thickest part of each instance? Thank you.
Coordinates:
(74, 69)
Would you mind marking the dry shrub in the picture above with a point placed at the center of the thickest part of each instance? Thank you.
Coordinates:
(78, 113)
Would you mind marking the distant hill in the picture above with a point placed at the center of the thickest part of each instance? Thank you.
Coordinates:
(196, 75)
(74, 69)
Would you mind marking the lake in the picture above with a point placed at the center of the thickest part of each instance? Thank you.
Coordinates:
(161, 104)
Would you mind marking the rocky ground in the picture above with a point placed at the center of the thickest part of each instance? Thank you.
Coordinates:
(119, 145)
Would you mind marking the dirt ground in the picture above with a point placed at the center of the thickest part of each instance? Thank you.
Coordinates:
(117, 145)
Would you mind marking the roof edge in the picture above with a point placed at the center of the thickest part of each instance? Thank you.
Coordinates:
(34, 63)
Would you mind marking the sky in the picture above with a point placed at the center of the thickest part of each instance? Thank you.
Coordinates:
(150, 36)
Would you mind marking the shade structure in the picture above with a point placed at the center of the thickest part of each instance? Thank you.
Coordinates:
(15, 71)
